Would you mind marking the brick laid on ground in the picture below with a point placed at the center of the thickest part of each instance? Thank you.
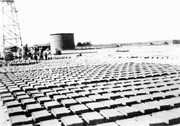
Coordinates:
(84, 100)
(5, 95)
(28, 101)
(15, 111)
(72, 120)
(96, 106)
(145, 108)
(98, 97)
(8, 99)
(21, 97)
(78, 109)
(69, 102)
(43, 99)
(60, 112)
(59, 97)
(93, 118)
(107, 124)
(129, 111)
(53, 122)
(112, 114)
(52, 104)
(33, 107)
(41, 115)
(14, 103)
(129, 122)
(150, 121)
(20, 120)
(111, 103)
(167, 116)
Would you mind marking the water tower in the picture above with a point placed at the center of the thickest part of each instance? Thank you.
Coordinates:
(61, 41)
(11, 36)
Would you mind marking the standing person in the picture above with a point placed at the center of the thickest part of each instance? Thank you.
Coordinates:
(48, 53)
(35, 54)
(35, 57)
(25, 51)
(29, 55)
(40, 53)
(32, 52)
(45, 54)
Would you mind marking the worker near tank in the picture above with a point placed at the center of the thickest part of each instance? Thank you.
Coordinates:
(25, 51)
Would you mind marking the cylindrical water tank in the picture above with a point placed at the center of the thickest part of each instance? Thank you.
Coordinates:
(61, 41)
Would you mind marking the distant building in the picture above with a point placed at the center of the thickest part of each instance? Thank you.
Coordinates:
(43, 46)
(176, 41)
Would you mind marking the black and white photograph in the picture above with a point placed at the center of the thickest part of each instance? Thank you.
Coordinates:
(89, 63)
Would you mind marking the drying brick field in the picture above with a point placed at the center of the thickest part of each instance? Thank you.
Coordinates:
(138, 87)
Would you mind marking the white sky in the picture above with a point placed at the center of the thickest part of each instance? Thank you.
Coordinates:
(99, 21)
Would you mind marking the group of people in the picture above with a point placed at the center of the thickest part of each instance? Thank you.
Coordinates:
(36, 53)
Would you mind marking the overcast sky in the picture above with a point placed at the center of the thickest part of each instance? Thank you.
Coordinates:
(99, 21)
